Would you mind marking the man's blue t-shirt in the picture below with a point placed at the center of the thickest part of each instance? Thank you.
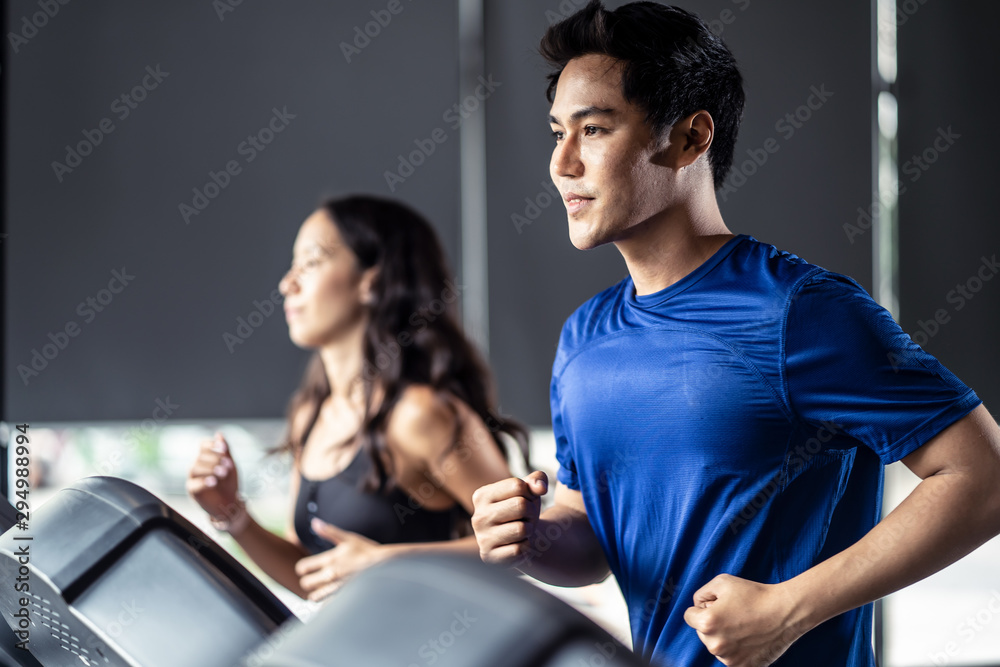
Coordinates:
(738, 422)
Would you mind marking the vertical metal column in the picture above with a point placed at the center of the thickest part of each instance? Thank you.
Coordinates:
(885, 239)
(472, 161)
(885, 184)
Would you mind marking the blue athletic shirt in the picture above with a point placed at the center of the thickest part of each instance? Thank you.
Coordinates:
(738, 422)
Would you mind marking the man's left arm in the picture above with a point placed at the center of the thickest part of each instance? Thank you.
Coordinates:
(954, 509)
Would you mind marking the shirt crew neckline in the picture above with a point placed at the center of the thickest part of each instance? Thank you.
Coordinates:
(658, 298)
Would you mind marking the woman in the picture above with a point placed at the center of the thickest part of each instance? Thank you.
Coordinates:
(388, 431)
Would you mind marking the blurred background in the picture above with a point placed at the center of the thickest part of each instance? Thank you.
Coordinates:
(159, 158)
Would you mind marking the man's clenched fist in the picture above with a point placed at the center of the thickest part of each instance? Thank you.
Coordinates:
(506, 516)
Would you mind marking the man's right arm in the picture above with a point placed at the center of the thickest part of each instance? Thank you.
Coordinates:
(559, 547)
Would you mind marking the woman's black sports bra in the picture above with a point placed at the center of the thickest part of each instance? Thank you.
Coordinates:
(385, 518)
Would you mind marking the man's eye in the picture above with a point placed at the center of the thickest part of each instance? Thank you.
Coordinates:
(557, 135)
(591, 130)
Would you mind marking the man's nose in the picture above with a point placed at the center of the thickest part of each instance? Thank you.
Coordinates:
(566, 161)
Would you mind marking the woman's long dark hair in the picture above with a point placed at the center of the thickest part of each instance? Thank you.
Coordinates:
(413, 335)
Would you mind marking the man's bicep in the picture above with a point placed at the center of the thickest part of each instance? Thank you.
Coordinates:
(970, 445)
(570, 513)
(569, 498)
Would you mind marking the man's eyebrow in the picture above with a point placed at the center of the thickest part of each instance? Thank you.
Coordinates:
(585, 112)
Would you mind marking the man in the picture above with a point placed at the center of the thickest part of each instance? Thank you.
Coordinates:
(723, 415)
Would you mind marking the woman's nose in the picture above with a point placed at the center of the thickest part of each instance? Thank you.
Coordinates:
(287, 282)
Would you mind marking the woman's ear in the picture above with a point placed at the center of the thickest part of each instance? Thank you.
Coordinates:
(366, 286)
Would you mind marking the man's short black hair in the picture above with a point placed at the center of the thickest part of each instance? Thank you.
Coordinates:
(673, 66)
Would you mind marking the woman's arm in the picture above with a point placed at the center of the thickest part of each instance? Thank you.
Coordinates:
(275, 555)
(213, 482)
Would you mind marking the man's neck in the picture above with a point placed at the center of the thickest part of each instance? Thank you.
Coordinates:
(661, 251)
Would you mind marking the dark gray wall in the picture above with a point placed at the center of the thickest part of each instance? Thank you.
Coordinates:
(162, 336)
(798, 199)
(948, 73)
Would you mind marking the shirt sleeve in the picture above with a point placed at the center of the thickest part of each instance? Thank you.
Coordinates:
(848, 362)
(564, 452)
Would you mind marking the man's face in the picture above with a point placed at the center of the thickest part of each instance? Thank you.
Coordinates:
(605, 158)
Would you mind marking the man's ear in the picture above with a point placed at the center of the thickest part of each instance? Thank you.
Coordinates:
(690, 138)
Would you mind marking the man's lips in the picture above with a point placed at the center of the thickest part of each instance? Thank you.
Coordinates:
(576, 202)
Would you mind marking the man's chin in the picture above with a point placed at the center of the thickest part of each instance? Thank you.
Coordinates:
(583, 237)
(579, 245)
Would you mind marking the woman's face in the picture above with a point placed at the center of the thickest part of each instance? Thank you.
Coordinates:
(325, 290)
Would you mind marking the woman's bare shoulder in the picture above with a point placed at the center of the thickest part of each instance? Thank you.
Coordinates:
(424, 423)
